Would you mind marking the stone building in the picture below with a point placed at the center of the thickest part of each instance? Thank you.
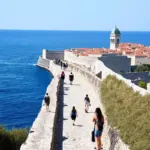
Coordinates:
(117, 63)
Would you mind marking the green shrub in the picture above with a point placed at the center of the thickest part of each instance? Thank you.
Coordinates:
(142, 68)
(128, 111)
(142, 84)
(12, 140)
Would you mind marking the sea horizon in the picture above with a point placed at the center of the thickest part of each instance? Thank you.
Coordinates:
(72, 30)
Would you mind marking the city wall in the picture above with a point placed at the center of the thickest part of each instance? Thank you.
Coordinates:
(43, 62)
(42, 133)
(81, 60)
(46, 54)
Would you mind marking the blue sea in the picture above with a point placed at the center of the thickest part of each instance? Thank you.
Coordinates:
(22, 84)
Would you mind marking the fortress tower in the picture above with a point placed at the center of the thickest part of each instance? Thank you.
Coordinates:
(115, 38)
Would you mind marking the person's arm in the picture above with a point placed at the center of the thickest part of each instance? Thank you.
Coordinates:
(49, 99)
(94, 119)
(44, 101)
(89, 100)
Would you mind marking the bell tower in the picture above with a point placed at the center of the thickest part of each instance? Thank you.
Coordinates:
(115, 38)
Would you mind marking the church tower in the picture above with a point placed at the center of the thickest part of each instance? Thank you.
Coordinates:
(115, 38)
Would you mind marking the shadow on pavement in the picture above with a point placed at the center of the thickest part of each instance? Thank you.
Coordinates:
(78, 125)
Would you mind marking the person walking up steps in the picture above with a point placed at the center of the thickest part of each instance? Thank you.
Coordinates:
(73, 115)
(71, 78)
(87, 103)
(47, 101)
(98, 120)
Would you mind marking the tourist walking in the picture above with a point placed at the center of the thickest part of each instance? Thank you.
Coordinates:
(71, 78)
(62, 75)
(98, 120)
(87, 103)
(47, 101)
(74, 115)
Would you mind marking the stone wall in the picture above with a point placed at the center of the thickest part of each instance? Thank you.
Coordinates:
(43, 131)
(117, 63)
(56, 128)
(92, 79)
(55, 54)
(43, 62)
(100, 67)
(82, 60)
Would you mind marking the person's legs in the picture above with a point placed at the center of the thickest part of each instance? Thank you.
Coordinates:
(47, 107)
(73, 118)
(85, 107)
(99, 142)
(73, 121)
(98, 139)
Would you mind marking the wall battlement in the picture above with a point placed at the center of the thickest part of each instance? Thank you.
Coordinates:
(49, 54)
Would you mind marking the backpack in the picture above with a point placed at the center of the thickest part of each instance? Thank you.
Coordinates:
(99, 124)
(73, 113)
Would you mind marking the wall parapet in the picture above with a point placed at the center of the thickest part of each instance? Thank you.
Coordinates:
(42, 62)
(43, 131)
(59, 101)
(94, 80)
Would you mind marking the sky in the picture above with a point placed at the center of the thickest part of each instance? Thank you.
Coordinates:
(127, 15)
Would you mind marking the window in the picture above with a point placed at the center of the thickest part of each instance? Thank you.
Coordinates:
(118, 41)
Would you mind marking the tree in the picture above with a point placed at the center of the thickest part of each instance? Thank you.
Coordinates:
(142, 84)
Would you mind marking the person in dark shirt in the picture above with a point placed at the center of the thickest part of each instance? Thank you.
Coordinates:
(73, 114)
(47, 101)
(87, 103)
(62, 75)
(71, 78)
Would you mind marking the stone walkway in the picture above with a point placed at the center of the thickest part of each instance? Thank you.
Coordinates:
(78, 137)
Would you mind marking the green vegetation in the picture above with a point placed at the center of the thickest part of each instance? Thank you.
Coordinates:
(142, 84)
(142, 68)
(128, 111)
(12, 140)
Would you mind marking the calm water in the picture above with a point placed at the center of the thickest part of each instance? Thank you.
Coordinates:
(22, 84)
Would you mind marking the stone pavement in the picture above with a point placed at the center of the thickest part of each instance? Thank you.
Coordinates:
(78, 137)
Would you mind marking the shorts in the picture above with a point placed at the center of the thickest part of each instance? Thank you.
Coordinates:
(87, 103)
(73, 117)
(47, 104)
(98, 133)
